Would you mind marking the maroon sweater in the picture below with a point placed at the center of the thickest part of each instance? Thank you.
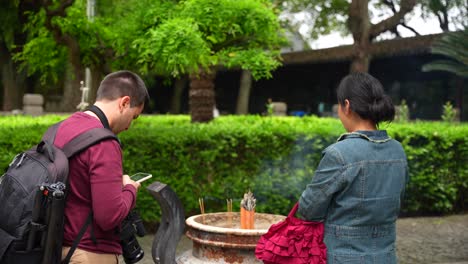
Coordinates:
(95, 184)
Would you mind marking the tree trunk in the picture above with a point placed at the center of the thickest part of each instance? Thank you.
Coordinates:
(179, 87)
(361, 58)
(359, 24)
(10, 91)
(71, 90)
(242, 107)
(97, 74)
(12, 81)
(202, 97)
(364, 32)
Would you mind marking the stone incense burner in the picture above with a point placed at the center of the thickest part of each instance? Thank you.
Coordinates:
(216, 237)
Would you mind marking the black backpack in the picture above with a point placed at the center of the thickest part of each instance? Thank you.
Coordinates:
(32, 199)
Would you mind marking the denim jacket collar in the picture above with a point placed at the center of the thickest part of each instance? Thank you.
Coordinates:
(376, 136)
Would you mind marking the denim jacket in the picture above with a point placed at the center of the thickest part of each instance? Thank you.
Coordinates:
(357, 190)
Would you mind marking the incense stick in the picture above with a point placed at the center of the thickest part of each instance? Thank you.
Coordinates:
(229, 205)
(202, 209)
(229, 210)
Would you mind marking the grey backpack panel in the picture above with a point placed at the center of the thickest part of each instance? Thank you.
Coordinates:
(43, 164)
(18, 187)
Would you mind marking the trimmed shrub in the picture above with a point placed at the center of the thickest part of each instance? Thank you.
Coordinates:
(275, 157)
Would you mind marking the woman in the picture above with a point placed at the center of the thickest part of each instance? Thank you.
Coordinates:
(359, 184)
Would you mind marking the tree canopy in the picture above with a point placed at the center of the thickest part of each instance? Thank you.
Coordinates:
(165, 37)
(321, 17)
(205, 33)
(62, 41)
(447, 12)
(200, 36)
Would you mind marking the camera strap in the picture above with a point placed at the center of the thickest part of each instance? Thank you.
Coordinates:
(100, 114)
(102, 117)
(77, 240)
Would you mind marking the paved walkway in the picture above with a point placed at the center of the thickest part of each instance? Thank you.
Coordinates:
(425, 240)
(433, 239)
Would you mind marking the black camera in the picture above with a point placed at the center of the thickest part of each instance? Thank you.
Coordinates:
(131, 226)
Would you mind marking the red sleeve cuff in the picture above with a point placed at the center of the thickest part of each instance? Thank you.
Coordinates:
(131, 189)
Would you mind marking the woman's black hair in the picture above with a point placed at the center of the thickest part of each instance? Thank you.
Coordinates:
(366, 97)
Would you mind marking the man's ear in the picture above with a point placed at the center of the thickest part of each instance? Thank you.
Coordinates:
(124, 102)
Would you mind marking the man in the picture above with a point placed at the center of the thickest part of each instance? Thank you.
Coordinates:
(97, 183)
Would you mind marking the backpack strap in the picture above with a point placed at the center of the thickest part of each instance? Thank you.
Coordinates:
(80, 142)
(51, 132)
(87, 139)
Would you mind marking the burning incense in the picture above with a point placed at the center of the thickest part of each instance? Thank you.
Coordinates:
(202, 208)
(248, 211)
(229, 205)
(229, 210)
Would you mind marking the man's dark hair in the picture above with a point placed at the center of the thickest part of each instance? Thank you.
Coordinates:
(123, 83)
(366, 97)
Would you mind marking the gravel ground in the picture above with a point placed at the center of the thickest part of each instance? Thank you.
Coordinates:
(433, 239)
(427, 240)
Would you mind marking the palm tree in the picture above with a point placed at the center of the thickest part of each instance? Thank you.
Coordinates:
(454, 46)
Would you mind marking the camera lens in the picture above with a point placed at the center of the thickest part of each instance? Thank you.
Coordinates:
(131, 226)
(132, 252)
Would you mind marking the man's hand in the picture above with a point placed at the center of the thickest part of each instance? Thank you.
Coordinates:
(127, 180)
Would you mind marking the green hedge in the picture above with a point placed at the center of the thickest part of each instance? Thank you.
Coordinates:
(275, 157)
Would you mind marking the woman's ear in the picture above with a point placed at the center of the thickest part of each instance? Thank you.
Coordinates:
(346, 107)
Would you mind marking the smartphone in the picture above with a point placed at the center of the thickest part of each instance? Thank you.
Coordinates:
(140, 177)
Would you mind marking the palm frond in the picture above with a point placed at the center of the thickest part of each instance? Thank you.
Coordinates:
(448, 66)
(454, 46)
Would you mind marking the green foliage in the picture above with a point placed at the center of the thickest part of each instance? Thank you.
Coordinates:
(92, 37)
(240, 23)
(438, 169)
(44, 56)
(449, 114)
(152, 36)
(9, 22)
(454, 46)
(106, 40)
(41, 54)
(225, 158)
(259, 62)
(202, 34)
(275, 157)
(134, 19)
(176, 46)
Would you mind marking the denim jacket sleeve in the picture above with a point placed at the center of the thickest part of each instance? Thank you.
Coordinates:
(327, 180)
(402, 195)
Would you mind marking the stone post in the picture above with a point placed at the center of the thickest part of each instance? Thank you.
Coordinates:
(33, 104)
